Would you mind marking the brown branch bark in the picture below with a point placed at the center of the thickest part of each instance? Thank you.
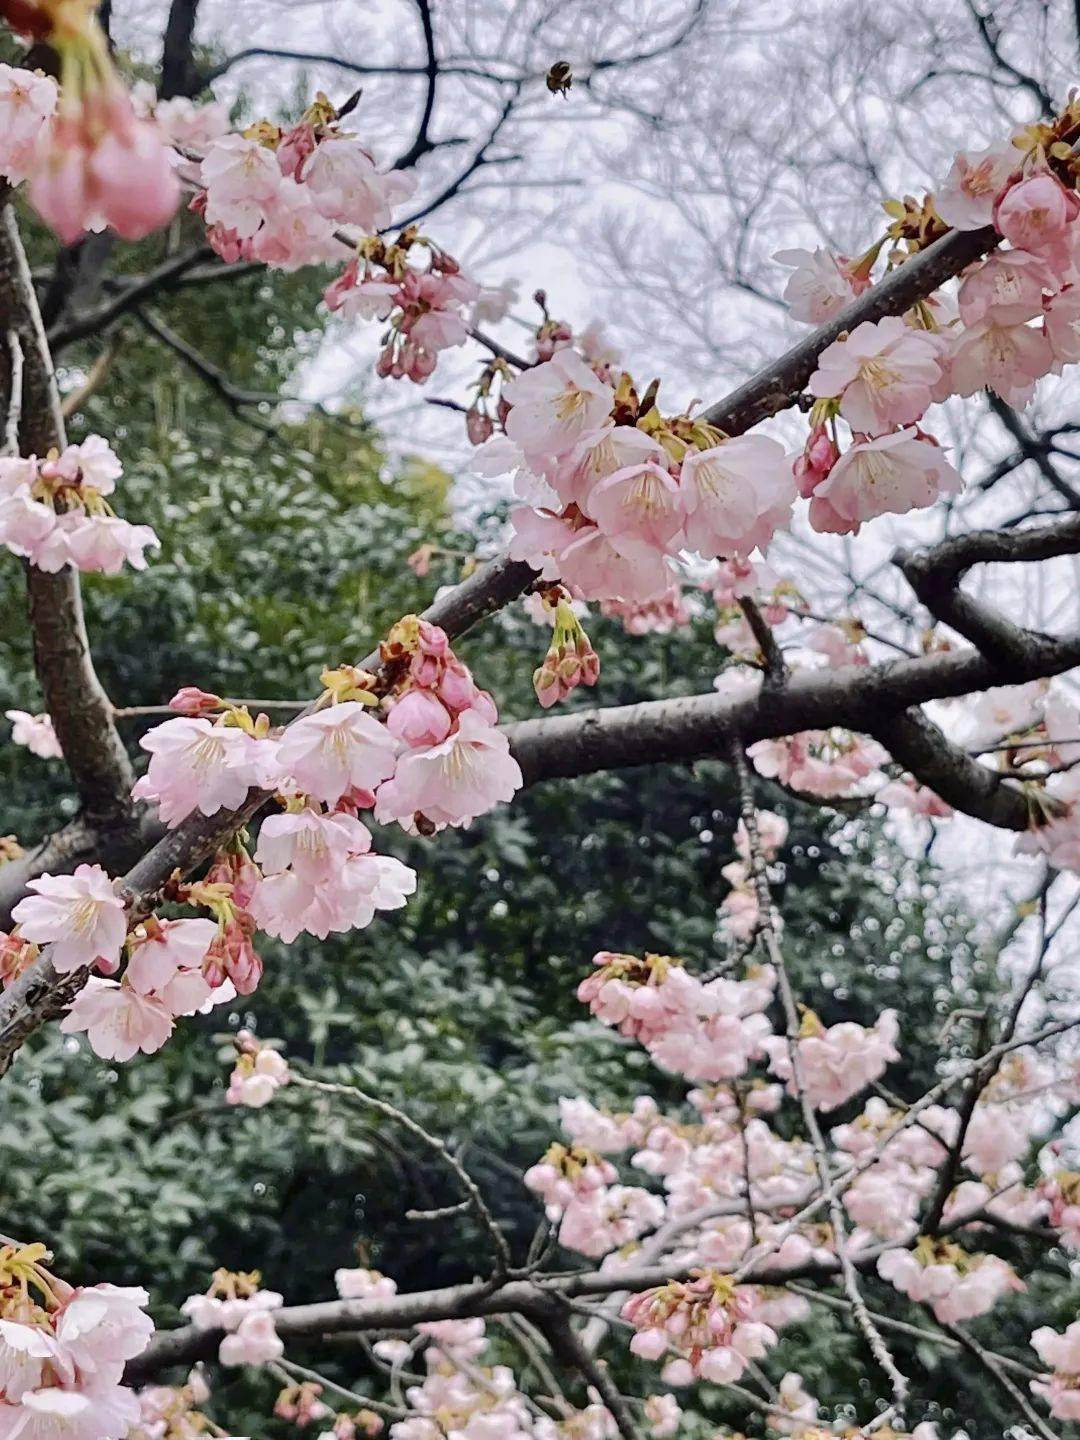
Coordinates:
(74, 696)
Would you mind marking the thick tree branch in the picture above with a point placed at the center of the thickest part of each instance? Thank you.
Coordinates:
(179, 73)
(776, 387)
(74, 696)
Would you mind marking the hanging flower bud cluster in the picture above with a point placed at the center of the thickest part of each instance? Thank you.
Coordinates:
(420, 290)
(571, 660)
(709, 1323)
(91, 161)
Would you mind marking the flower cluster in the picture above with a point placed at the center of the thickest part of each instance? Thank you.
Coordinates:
(956, 1284)
(595, 1215)
(620, 492)
(571, 660)
(279, 196)
(1061, 1351)
(836, 1062)
(237, 1304)
(421, 292)
(63, 1350)
(1012, 322)
(258, 1075)
(462, 1397)
(54, 513)
(708, 1322)
(91, 161)
(739, 910)
(704, 1030)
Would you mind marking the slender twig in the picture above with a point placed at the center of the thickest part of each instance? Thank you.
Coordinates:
(503, 1257)
(775, 664)
(567, 1344)
(288, 1369)
(990, 1364)
(898, 1381)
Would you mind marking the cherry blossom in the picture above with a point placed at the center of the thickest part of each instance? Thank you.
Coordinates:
(883, 373)
(837, 1061)
(27, 103)
(891, 474)
(819, 285)
(196, 765)
(335, 750)
(1035, 215)
(118, 1020)
(709, 1322)
(452, 783)
(554, 405)
(96, 164)
(956, 1284)
(1061, 1351)
(79, 915)
(341, 177)
(967, 196)
(1007, 359)
(735, 495)
(36, 733)
(253, 1342)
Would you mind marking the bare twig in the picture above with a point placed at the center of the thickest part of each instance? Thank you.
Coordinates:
(898, 1381)
(499, 1246)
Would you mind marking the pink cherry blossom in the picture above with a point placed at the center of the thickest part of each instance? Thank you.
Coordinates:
(642, 501)
(966, 198)
(1035, 215)
(294, 233)
(79, 915)
(330, 752)
(956, 1284)
(253, 1342)
(119, 1022)
(598, 455)
(257, 1079)
(92, 1412)
(555, 405)
(27, 104)
(314, 845)
(242, 180)
(818, 286)
(346, 187)
(103, 543)
(100, 1327)
(419, 718)
(363, 1284)
(1008, 359)
(170, 946)
(891, 474)
(36, 733)
(469, 773)
(839, 1061)
(883, 371)
(98, 165)
(196, 766)
(1063, 325)
(735, 495)
(1007, 287)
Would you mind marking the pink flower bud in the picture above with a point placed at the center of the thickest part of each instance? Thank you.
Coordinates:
(190, 700)
(419, 718)
(478, 426)
(456, 688)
